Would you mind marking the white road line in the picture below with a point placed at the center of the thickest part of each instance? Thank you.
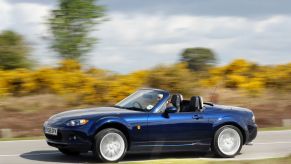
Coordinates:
(32, 154)
(267, 143)
(274, 131)
(22, 141)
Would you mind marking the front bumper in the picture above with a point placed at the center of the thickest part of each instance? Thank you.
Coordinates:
(70, 139)
(252, 129)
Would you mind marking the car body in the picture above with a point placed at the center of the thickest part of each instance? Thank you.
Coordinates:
(156, 127)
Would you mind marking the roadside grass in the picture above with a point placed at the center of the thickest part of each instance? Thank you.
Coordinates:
(171, 161)
(33, 103)
(285, 160)
(22, 138)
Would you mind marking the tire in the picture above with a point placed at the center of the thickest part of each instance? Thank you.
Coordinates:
(107, 142)
(227, 141)
(69, 152)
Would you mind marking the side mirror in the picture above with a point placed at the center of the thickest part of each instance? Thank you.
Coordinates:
(171, 109)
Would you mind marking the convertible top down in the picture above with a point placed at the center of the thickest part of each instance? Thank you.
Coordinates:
(152, 120)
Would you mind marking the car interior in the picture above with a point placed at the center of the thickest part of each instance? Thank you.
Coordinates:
(195, 104)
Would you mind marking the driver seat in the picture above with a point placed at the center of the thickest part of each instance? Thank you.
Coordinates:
(176, 101)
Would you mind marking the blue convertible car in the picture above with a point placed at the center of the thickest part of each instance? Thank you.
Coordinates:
(152, 120)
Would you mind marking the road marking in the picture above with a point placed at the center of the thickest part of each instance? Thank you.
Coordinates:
(274, 131)
(32, 154)
(267, 143)
(22, 141)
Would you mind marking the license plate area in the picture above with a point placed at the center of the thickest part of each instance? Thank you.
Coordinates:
(51, 131)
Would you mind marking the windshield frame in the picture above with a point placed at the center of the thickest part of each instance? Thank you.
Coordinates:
(157, 107)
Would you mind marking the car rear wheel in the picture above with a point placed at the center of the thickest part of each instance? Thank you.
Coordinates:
(69, 152)
(110, 145)
(227, 141)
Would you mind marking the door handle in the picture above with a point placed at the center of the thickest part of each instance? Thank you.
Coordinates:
(197, 117)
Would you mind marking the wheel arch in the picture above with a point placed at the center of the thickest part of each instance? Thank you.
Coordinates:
(116, 125)
(235, 125)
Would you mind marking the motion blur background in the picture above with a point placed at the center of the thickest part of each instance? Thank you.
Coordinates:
(57, 55)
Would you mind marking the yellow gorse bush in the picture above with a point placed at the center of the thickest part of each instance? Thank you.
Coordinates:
(124, 85)
(17, 82)
(97, 86)
(93, 86)
(249, 77)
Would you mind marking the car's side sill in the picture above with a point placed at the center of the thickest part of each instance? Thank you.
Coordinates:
(159, 147)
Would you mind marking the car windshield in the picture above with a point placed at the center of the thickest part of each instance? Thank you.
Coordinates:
(142, 100)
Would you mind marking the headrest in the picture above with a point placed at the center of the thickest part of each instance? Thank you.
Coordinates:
(176, 100)
(196, 103)
(177, 97)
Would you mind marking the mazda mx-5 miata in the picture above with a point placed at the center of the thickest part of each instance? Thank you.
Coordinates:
(152, 120)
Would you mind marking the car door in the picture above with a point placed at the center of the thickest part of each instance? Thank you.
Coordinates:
(189, 128)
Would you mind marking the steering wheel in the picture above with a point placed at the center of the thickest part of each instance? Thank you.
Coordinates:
(137, 104)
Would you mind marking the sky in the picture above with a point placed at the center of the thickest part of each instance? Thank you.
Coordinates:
(142, 34)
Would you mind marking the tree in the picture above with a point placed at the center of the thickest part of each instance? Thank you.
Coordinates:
(71, 25)
(198, 59)
(13, 51)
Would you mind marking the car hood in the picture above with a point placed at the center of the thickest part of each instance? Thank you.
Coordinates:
(224, 107)
(87, 113)
(240, 109)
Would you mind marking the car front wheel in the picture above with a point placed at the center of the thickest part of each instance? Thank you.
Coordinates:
(110, 145)
(227, 141)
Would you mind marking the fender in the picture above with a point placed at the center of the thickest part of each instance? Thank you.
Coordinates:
(232, 120)
(108, 120)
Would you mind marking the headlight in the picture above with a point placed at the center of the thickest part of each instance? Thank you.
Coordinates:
(45, 123)
(254, 118)
(77, 122)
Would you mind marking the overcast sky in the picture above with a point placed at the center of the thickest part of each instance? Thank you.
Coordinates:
(141, 34)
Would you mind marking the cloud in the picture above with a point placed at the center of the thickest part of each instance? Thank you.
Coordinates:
(147, 40)
(5, 10)
(39, 2)
(29, 20)
(138, 37)
(241, 8)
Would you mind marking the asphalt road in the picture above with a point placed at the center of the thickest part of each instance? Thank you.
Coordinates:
(267, 145)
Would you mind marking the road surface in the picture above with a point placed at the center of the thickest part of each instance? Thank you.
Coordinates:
(267, 145)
